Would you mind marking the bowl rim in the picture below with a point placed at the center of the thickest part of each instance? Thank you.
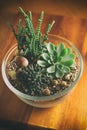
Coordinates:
(41, 98)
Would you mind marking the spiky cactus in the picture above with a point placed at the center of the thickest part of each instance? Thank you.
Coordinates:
(30, 41)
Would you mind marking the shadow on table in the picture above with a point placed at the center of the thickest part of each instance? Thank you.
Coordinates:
(11, 125)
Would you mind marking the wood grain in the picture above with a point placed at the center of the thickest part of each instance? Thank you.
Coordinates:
(70, 114)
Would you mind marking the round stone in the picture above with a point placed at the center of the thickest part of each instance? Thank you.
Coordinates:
(21, 61)
(46, 91)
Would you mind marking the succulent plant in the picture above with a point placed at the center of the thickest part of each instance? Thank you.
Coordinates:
(40, 67)
(56, 60)
(33, 77)
(30, 41)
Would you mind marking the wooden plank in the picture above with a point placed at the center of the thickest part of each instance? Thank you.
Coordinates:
(84, 47)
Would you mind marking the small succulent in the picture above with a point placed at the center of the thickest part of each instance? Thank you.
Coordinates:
(32, 78)
(30, 41)
(56, 60)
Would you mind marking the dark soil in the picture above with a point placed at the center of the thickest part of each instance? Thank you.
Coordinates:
(41, 84)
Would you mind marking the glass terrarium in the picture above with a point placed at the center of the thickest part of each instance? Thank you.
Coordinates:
(41, 69)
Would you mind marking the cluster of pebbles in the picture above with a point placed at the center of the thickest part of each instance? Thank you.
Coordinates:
(62, 83)
(55, 86)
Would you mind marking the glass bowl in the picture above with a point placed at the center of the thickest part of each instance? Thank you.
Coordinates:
(43, 101)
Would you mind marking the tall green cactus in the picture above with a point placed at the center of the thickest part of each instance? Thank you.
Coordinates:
(30, 41)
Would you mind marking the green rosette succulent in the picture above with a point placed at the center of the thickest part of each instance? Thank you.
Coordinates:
(57, 60)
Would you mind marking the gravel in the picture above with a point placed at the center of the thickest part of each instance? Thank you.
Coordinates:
(45, 88)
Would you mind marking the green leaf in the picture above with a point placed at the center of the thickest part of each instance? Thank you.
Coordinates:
(68, 57)
(65, 69)
(50, 47)
(68, 63)
(51, 58)
(59, 59)
(49, 27)
(51, 69)
(69, 50)
(42, 63)
(45, 56)
(64, 52)
(55, 56)
(49, 61)
(59, 66)
(60, 48)
(59, 73)
(52, 76)
(26, 51)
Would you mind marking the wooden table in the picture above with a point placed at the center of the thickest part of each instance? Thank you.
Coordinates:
(70, 114)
